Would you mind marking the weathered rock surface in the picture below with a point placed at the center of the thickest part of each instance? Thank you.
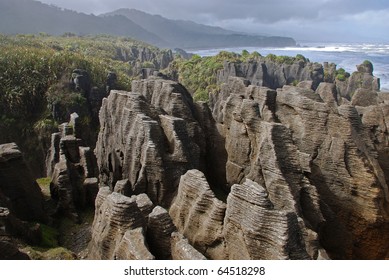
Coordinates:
(182, 250)
(361, 79)
(159, 230)
(267, 73)
(199, 215)
(133, 246)
(20, 193)
(8, 246)
(73, 170)
(116, 216)
(293, 173)
(255, 229)
(150, 138)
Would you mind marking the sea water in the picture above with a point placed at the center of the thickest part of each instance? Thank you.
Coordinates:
(345, 56)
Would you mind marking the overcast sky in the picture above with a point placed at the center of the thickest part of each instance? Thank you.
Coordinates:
(313, 20)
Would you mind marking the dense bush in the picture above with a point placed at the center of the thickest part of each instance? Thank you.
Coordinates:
(342, 75)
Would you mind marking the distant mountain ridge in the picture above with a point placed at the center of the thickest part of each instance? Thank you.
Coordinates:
(32, 17)
(188, 34)
(29, 16)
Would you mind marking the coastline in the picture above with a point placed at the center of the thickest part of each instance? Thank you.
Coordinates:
(344, 55)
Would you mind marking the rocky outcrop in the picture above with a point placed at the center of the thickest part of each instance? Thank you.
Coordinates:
(182, 250)
(199, 215)
(362, 79)
(73, 170)
(20, 193)
(255, 229)
(142, 57)
(159, 230)
(11, 227)
(150, 138)
(272, 74)
(118, 220)
(21, 205)
(291, 173)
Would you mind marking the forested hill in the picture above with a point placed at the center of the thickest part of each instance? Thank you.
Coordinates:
(188, 34)
(32, 17)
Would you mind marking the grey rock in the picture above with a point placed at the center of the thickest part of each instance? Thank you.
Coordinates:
(73, 170)
(254, 229)
(364, 97)
(114, 215)
(133, 246)
(264, 72)
(149, 137)
(159, 229)
(199, 215)
(18, 187)
(182, 250)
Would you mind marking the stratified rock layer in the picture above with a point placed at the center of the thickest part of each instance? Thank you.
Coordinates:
(19, 191)
(255, 229)
(149, 137)
(117, 230)
(199, 215)
(292, 173)
(72, 168)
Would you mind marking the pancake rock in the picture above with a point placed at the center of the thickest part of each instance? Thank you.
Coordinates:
(149, 137)
(19, 191)
(118, 228)
(72, 168)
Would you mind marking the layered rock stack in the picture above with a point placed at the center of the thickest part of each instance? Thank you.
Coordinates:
(292, 173)
(73, 170)
(272, 74)
(150, 138)
(21, 204)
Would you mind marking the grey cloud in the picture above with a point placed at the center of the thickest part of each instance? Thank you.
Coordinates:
(260, 10)
(278, 17)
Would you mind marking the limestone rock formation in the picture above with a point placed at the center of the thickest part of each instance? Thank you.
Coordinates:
(258, 173)
(21, 204)
(361, 79)
(10, 225)
(20, 193)
(159, 230)
(255, 229)
(114, 228)
(182, 250)
(150, 138)
(73, 170)
(199, 215)
(271, 74)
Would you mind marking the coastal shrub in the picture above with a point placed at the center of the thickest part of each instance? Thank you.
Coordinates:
(245, 53)
(201, 95)
(342, 75)
(148, 64)
(301, 57)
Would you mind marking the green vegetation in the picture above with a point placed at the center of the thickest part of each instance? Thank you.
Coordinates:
(367, 63)
(44, 184)
(283, 59)
(49, 237)
(342, 75)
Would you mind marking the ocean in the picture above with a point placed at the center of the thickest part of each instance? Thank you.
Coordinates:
(345, 56)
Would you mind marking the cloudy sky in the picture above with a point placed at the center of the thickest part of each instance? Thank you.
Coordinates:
(305, 20)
